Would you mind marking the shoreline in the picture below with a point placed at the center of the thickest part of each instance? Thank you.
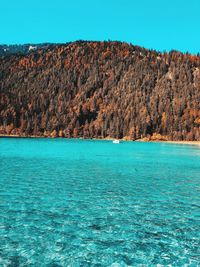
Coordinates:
(197, 143)
(107, 139)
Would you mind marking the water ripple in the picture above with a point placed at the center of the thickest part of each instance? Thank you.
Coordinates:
(83, 203)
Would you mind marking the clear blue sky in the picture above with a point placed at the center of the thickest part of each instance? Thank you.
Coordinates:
(157, 24)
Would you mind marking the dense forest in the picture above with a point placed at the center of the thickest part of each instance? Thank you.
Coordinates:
(100, 90)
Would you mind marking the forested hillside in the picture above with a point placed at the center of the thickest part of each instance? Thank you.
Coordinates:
(22, 49)
(99, 90)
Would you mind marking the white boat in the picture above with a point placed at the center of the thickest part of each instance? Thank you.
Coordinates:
(115, 141)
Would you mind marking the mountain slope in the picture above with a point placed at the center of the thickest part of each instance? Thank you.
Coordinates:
(101, 89)
(22, 49)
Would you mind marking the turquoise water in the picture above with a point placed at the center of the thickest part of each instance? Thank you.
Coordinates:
(95, 203)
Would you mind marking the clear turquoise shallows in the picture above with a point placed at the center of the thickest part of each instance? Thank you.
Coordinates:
(95, 203)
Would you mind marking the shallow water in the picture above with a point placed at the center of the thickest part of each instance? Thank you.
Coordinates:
(95, 203)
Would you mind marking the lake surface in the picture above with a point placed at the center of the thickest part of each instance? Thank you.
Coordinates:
(95, 203)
